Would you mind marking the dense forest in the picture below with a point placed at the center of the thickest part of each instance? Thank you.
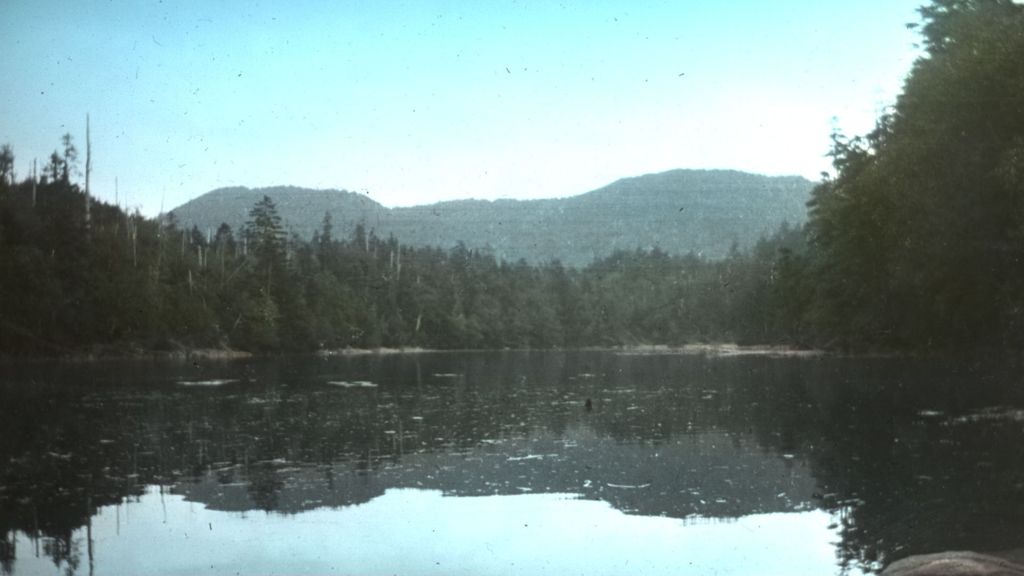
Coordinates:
(916, 242)
(118, 279)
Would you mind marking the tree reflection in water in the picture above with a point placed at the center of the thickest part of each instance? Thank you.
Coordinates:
(909, 456)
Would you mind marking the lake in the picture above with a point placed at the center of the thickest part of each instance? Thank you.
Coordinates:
(492, 463)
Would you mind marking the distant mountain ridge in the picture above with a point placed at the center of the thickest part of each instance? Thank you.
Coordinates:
(679, 211)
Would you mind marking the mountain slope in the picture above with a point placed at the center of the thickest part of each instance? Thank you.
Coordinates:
(301, 209)
(704, 211)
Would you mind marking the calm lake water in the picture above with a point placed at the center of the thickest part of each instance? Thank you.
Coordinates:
(490, 463)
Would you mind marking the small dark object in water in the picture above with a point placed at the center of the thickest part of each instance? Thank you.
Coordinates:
(588, 405)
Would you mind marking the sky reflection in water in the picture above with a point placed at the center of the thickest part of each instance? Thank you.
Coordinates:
(409, 531)
(758, 465)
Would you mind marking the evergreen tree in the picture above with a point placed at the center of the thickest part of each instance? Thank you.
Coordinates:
(265, 239)
(6, 165)
(917, 236)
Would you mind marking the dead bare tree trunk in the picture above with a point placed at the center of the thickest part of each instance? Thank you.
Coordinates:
(135, 242)
(88, 169)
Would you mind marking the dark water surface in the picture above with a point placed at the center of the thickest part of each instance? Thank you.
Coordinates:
(490, 463)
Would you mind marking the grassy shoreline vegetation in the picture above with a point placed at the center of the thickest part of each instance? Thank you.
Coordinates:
(915, 244)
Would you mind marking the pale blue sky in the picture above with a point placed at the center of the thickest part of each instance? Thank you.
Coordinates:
(413, 102)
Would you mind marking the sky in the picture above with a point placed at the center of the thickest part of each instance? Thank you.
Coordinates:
(419, 101)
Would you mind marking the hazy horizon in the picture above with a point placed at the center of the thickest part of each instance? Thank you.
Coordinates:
(470, 198)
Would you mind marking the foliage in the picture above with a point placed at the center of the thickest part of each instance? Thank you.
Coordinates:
(917, 238)
(126, 281)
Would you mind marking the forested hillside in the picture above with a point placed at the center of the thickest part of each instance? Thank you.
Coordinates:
(681, 211)
(118, 280)
(918, 241)
(915, 243)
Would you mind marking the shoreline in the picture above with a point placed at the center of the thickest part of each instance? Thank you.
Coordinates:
(724, 350)
(711, 350)
(132, 353)
(720, 350)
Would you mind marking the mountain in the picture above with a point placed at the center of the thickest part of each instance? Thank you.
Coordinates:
(301, 209)
(704, 211)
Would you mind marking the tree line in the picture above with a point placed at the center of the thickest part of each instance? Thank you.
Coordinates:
(916, 242)
(120, 279)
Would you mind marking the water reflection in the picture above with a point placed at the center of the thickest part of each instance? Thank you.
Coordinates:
(708, 474)
(424, 532)
(904, 457)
